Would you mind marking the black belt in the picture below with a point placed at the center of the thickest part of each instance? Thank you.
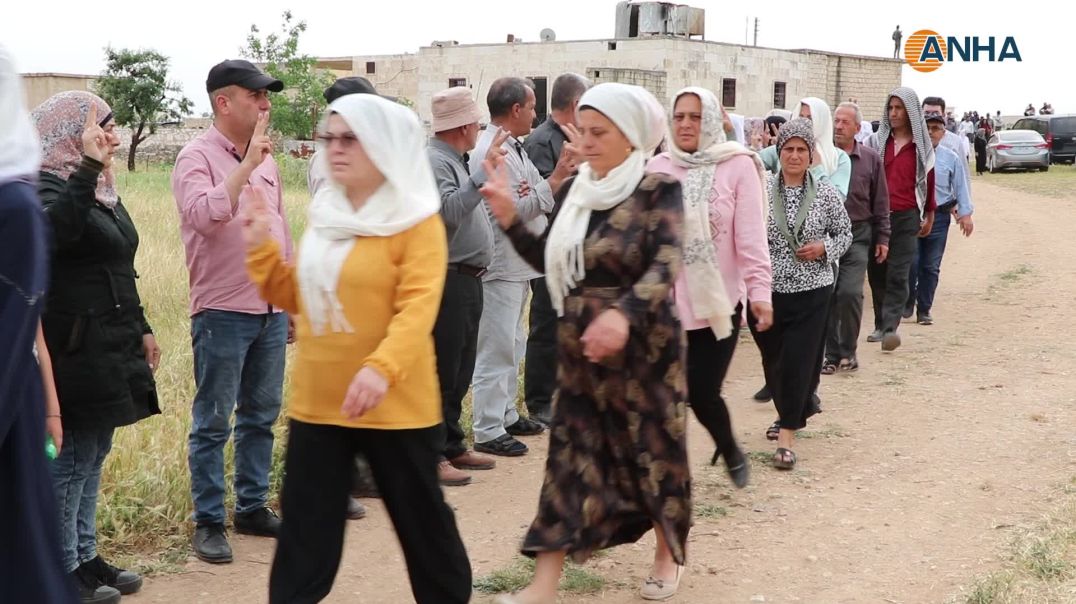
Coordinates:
(947, 207)
(467, 269)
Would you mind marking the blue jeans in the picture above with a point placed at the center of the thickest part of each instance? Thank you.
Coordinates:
(76, 477)
(926, 267)
(238, 366)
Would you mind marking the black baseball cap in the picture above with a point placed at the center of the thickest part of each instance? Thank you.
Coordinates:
(351, 85)
(237, 72)
(934, 116)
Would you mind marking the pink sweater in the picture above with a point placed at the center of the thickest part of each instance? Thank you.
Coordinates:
(743, 254)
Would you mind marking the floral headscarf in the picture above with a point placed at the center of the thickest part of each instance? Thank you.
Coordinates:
(59, 122)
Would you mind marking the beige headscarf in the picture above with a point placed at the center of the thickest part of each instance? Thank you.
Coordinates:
(705, 286)
(641, 119)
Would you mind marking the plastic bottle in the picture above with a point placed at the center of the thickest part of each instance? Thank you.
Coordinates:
(50, 448)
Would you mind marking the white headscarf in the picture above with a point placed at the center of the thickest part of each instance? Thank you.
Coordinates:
(706, 287)
(393, 138)
(866, 129)
(822, 119)
(640, 117)
(20, 151)
(737, 127)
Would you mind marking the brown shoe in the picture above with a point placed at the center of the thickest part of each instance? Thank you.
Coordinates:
(473, 461)
(450, 476)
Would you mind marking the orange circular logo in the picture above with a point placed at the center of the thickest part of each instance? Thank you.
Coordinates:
(913, 50)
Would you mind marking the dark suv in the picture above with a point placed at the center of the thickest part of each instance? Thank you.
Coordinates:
(1059, 132)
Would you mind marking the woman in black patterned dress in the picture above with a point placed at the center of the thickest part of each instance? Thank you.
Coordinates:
(617, 464)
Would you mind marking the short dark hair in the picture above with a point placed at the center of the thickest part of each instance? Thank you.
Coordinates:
(567, 89)
(935, 100)
(506, 93)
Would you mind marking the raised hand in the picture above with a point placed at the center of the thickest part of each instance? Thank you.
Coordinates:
(497, 192)
(94, 143)
(255, 216)
(260, 146)
(496, 148)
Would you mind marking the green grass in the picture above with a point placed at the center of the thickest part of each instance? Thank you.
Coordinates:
(518, 574)
(1059, 182)
(1039, 565)
(710, 511)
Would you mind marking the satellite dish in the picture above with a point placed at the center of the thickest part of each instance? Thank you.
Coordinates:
(548, 35)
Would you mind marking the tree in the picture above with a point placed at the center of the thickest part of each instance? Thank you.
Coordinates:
(295, 111)
(135, 83)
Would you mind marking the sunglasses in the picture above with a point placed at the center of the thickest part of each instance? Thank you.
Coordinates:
(347, 140)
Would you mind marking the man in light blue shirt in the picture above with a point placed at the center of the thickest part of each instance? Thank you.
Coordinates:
(954, 198)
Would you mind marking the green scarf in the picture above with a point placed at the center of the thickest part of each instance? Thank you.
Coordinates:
(780, 209)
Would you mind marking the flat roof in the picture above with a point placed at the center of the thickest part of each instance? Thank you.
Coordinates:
(50, 74)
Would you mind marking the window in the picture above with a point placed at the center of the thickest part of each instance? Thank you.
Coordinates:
(369, 67)
(612, 46)
(541, 99)
(778, 95)
(453, 82)
(728, 92)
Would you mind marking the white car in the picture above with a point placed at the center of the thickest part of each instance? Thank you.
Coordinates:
(1025, 149)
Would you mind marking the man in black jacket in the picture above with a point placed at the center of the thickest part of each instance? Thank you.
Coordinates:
(544, 147)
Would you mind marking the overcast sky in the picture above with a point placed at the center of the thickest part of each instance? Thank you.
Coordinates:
(66, 36)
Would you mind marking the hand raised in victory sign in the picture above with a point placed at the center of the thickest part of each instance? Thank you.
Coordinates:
(496, 148)
(94, 144)
(255, 216)
(497, 192)
(260, 146)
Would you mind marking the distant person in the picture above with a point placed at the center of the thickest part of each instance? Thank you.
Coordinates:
(1047, 109)
(31, 566)
(239, 339)
(980, 151)
(897, 36)
(999, 124)
(1029, 111)
(954, 199)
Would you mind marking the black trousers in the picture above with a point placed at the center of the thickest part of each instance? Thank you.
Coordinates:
(792, 352)
(708, 361)
(314, 510)
(540, 369)
(889, 280)
(846, 312)
(455, 339)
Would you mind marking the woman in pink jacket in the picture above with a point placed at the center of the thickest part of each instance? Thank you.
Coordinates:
(726, 256)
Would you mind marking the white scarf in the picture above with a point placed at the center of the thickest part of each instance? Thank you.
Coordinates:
(705, 285)
(822, 122)
(641, 119)
(393, 138)
(20, 151)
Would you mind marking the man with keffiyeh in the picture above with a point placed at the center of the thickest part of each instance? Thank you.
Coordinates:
(908, 157)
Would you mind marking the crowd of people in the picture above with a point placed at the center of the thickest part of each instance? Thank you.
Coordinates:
(635, 239)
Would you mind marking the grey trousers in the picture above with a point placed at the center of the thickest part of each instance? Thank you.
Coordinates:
(846, 311)
(889, 280)
(502, 343)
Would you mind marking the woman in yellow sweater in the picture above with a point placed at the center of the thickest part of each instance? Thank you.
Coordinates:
(366, 290)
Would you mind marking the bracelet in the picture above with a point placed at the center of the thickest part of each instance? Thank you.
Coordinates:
(52, 415)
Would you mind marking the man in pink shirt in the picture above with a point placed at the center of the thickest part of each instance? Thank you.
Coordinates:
(239, 340)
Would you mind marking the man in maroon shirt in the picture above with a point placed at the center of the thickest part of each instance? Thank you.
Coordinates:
(908, 157)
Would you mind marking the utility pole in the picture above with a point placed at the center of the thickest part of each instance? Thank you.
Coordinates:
(746, 29)
(756, 31)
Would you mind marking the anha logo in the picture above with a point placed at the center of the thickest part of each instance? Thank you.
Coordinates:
(927, 50)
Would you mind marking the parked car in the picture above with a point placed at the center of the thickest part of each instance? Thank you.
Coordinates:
(1059, 131)
(1025, 149)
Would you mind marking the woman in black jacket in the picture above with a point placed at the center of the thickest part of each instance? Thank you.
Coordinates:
(102, 348)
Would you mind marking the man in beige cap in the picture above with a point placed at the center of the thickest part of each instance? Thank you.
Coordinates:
(470, 250)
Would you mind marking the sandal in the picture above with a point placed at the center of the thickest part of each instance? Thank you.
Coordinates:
(829, 368)
(773, 431)
(849, 365)
(784, 459)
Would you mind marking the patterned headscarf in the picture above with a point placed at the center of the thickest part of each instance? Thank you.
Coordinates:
(924, 150)
(59, 121)
(800, 127)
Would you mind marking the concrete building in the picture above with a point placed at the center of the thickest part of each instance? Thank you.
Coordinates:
(39, 86)
(658, 47)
